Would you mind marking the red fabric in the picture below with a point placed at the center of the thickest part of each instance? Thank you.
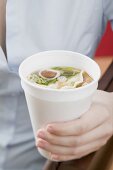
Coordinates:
(105, 47)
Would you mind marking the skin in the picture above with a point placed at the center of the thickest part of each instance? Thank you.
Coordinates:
(77, 138)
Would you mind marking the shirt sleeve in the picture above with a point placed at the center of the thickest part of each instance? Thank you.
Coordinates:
(108, 10)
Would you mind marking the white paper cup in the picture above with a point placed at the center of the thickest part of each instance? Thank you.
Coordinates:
(51, 105)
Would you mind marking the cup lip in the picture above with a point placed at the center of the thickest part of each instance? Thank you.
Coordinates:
(36, 86)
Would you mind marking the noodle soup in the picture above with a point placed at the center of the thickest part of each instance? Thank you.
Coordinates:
(61, 77)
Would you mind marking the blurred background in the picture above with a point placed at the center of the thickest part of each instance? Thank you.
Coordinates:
(104, 53)
(105, 47)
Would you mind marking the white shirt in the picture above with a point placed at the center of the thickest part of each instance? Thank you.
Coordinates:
(34, 26)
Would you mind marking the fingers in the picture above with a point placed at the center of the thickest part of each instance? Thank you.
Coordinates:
(62, 157)
(96, 115)
(68, 153)
(79, 152)
(75, 141)
(54, 148)
(82, 151)
(77, 138)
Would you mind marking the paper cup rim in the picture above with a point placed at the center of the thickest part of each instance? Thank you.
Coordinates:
(36, 86)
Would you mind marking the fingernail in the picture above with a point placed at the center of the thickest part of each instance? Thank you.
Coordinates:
(40, 130)
(50, 128)
(40, 143)
(41, 134)
(54, 156)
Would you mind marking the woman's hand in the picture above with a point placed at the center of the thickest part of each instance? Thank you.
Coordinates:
(77, 138)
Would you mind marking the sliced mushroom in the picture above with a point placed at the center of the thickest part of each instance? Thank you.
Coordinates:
(49, 74)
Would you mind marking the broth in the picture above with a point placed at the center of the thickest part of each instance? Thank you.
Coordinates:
(62, 77)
